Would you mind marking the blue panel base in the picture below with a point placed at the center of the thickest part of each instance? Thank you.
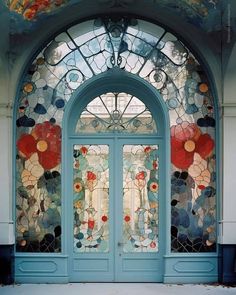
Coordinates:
(191, 269)
(36, 268)
(6, 264)
(42, 280)
(227, 264)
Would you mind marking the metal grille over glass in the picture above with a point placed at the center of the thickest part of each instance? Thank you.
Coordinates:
(73, 57)
(116, 112)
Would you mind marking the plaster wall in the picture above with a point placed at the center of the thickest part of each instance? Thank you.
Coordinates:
(4, 50)
(228, 222)
(6, 224)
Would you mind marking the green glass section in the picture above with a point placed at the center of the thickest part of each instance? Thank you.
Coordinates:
(91, 198)
(140, 198)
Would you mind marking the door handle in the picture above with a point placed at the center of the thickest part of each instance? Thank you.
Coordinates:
(120, 244)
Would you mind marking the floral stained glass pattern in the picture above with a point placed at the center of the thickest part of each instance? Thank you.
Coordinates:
(91, 198)
(155, 55)
(39, 186)
(141, 198)
(192, 187)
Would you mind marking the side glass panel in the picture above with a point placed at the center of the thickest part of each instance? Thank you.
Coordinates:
(140, 198)
(91, 198)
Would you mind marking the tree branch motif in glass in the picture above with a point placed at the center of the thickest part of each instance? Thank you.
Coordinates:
(91, 198)
(141, 198)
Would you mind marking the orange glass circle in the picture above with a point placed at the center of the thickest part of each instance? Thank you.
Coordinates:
(42, 145)
(189, 146)
(28, 87)
(203, 87)
(40, 61)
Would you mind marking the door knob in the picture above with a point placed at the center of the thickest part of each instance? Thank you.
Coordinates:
(120, 244)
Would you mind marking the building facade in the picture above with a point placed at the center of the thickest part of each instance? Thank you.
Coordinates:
(117, 132)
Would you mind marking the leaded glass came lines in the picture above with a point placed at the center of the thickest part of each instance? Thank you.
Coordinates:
(116, 112)
(76, 55)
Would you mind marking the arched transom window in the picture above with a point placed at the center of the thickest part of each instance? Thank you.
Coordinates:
(116, 112)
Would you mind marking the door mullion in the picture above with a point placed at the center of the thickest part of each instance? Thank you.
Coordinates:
(112, 205)
(118, 181)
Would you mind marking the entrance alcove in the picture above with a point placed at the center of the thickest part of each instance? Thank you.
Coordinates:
(124, 137)
(135, 58)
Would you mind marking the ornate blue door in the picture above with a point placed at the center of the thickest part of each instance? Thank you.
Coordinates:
(116, 194)
(116, 218)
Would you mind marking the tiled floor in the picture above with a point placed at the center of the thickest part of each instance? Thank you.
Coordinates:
(115, 289)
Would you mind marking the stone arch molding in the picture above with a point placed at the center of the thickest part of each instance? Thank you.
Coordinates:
(78, 54)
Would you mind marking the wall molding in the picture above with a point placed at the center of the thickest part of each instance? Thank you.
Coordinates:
(6, 110)
(229, 109)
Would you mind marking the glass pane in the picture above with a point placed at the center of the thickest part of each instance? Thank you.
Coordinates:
(91, 198)
(116, 112)
(140, 202)
(38, 189)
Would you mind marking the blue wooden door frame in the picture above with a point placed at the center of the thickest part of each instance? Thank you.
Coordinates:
(116, 80)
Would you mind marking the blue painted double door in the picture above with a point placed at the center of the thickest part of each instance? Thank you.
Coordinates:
(116, 228)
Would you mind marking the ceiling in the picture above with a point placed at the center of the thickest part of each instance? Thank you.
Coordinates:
(26, 15)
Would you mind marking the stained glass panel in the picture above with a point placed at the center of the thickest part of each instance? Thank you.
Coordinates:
(91, 198)
(141, 198)
(75, 56)
(38, 201)
(116, 112)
